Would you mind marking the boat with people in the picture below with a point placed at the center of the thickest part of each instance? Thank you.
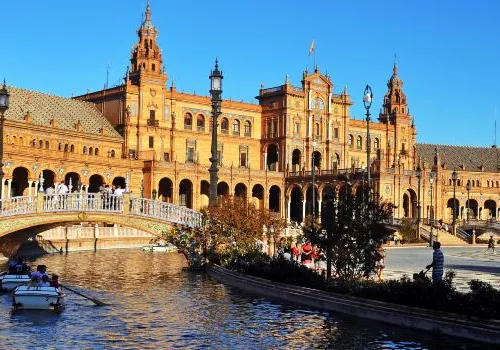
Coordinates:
(167, 247)
(29, 297)
(10, 281)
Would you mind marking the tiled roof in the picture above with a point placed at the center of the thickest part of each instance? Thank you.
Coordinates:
(65, 111)
(462, 157)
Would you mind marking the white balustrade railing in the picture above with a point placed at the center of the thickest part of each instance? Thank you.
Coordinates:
(166, 211)
(82, 201)
(96, 202)
(17, 205)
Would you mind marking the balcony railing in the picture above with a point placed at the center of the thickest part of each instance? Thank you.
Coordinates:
(236, 133)
(201, 128)
(153, 122)
(224, 131)
(247, 134)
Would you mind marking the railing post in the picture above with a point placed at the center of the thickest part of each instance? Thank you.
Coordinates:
(39, 202)
(126, 203)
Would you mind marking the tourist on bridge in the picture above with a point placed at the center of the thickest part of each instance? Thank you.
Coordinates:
(491, 245)
(437, 263)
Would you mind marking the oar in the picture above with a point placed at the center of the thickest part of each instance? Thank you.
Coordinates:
(95, 301)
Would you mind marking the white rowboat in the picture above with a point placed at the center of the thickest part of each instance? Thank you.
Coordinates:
(9, 282)
(169, 247)
(38, 298)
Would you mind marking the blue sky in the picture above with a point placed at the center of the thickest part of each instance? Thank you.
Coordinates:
(447, 51)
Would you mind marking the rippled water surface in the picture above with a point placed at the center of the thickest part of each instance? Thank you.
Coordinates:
(155, 304)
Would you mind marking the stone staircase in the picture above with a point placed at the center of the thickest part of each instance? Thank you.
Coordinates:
(446, 238)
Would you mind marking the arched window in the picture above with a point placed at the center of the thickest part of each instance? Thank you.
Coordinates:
(72, 148)
(317, 129)
(224, 126)
(60, 147)
(351, 141)
(188, 121)
(47, 145)
(21, 141)
(96, 152)
(33, 143)
(248, 128)
(200, 123)
(66, 148)
(112, 153)
(359, 142)
(85, 150)
(319, 104)
(91, 151)
(236, 127)
(376, 143)
(40, 143)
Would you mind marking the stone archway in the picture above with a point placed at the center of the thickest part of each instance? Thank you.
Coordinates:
(48, 179)
(95, 181)
(119, 182)
(296, 160)
(490, 209)
(165, 190)
(258, 196)
(316, 160)
(296, 205)
(222, 189)
(186, 193)
(240, 190)
(453, 205)
(204, 193)
(274, 198)
(19, 182)
(272, 158)
(410, 207)
(309, 197)
(75, 181)
(471, 204)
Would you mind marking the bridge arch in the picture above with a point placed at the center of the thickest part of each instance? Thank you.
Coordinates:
(186, 193)
(453, 204)
(473, 208)
(165, 190)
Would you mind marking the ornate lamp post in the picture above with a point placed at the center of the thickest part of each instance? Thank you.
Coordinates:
(313, 162)
(215, 92)
(454, 176)
(431, 214)
(367, 101)
(467, 187)
(4, 106)
(419, 177)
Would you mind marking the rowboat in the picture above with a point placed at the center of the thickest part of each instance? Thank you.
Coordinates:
(169, 247)
(37, 298)
(9, 282)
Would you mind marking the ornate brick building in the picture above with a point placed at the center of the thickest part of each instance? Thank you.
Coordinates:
(156, 140)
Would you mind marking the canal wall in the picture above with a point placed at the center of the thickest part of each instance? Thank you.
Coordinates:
(487, 331)
(80, 238)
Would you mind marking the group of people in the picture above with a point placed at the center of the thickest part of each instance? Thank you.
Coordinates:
(305, 253)
(39, 278)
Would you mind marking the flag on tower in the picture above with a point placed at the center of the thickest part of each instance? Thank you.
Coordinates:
(311, 48)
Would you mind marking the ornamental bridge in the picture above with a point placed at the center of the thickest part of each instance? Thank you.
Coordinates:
(23, 217)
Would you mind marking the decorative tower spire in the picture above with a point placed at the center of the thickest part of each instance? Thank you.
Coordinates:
(146, 57)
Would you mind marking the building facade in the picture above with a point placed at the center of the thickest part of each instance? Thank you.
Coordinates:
(156, 141)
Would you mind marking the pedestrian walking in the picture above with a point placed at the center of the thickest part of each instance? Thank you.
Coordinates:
(437, 263)
(491, 245)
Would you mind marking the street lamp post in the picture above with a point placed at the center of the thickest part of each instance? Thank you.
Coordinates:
(467, 187)
(431, 214)
(367, 101)
(454, 176)
(419, 177)
(4, 106)
(216, 93)
(313, 162)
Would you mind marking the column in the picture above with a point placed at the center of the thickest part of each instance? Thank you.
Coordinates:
(319, 210)
(288, 210)
(9, 187)
(303, 210)
(3, 188)
(30, 183)
(36, 187)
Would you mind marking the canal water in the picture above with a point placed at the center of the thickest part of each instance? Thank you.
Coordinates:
(154, 304)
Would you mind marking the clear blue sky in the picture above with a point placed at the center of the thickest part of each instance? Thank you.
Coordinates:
(448, 52)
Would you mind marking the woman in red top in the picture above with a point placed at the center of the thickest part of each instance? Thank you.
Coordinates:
(307, 253)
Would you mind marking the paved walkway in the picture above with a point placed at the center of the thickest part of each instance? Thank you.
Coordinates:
(468, 262)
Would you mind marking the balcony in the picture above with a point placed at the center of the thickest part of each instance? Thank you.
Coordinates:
(247, 134)
(271, 135)
(154, 123)
(224, 131)
(236, 133)
(200, 128)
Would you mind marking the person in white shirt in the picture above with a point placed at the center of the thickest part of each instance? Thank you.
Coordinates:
(62, 188)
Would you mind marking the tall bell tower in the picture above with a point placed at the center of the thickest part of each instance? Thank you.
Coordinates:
(146, 58)
(400, 129)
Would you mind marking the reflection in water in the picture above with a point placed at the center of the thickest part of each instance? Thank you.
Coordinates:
(155, 304)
